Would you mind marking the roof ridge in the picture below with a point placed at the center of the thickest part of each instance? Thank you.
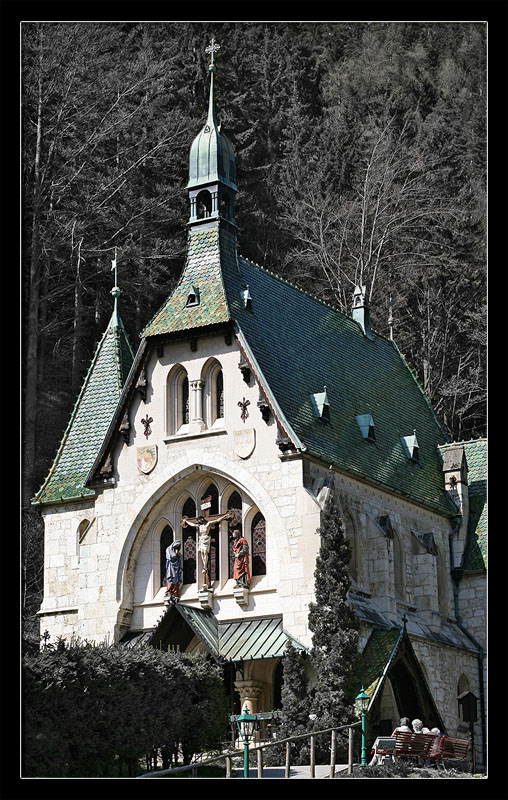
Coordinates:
(420, 387)
(465, 441)
(308, 294)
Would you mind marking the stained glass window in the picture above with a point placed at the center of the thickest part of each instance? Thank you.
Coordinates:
(220, 395)
(185, 402)
(258, 531)
(213, 493)
(165, 541)
(235, 505)
(189, 544)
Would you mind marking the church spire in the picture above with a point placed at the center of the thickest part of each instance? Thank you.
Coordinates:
(212, 170)
(212, 48)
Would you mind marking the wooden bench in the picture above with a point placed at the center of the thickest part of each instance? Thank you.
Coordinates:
(450, 749)
(414, 745)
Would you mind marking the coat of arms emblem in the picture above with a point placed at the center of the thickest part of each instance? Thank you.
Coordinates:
(147, 458)
(245, 442)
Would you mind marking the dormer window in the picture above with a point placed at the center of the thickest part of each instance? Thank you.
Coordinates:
(411, 447)
(321, 405)
(192, 298)
(366, 425)
(246, 298)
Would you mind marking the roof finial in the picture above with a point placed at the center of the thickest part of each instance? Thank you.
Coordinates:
(115, 291)
(212, 48)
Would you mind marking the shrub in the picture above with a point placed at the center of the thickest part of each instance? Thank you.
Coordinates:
(96, 710)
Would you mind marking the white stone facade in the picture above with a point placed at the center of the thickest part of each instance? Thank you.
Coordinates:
(102, 558)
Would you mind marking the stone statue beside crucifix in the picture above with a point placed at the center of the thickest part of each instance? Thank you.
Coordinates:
(203, 523)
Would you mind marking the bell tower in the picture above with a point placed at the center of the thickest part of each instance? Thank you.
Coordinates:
(212, 169)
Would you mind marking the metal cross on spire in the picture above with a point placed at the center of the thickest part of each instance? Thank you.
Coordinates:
(115, 291)
(113, 267)
(212, 48)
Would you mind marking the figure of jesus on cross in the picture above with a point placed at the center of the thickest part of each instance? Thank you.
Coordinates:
(203, 523)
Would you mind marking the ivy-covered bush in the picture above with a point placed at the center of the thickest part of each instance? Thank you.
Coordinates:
(96, 710)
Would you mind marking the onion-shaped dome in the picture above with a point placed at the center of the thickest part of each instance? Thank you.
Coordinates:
(211, 157)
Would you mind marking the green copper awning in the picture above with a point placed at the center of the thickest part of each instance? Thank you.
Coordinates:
(226, 641)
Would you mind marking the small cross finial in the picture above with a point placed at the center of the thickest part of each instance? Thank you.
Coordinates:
(212, 48)
(113, 267)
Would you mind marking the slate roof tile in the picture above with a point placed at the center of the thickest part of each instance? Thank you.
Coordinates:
(90, 418)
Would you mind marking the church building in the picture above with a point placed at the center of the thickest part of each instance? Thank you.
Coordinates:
(247, 403)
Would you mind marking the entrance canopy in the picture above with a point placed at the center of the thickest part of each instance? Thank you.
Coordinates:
(390, 654)
(226, 641)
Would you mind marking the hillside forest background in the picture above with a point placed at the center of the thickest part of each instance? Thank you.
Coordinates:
(361, 151)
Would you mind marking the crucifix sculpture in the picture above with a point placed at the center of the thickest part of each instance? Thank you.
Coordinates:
(203, 523)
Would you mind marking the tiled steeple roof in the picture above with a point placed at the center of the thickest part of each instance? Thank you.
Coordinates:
(90, 418)
(211, 268)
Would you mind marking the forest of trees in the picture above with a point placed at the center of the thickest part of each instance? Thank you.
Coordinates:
(361, 151)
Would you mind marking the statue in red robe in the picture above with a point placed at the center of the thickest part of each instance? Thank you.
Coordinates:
(241, 571)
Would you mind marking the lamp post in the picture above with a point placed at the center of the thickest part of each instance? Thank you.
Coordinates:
(246, 723)
(361, 702)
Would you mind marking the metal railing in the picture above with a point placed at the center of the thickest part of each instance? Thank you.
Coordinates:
(230, 755)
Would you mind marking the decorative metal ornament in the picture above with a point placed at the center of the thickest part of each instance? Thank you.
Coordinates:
(243, 405)
(212, 48)
(146, 422)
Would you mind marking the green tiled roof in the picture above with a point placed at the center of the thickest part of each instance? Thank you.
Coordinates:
(210, 264)
(90, 418)
(302, 345)
(377, 655)
(475, 554)
(230, 640)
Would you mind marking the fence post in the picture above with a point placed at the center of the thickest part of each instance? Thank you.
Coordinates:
(332, 753)
(312, 756)
(350, 751)
(260, 762)
(194, 773)
(228, 766)
(288, 759)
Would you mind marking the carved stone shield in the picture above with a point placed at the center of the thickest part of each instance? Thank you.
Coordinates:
(244, 442)
(147, 458)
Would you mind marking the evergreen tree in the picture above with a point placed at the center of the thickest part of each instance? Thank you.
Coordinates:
(334, 628)
(295, 707)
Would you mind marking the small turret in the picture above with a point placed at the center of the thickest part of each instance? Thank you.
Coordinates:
(361, 310)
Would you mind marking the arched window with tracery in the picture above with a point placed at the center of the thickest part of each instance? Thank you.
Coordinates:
(165, 541)
(210, 498)
(234, 505)
(351, 540)
(258, 545)
(189, 549)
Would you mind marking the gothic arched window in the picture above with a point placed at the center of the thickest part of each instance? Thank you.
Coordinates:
(234, 505)
(213, 397)
(165, 541)
(258, 546)
(177, 399)
(351, 540)
(398, 567)
(189, 548)
(213, 495)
